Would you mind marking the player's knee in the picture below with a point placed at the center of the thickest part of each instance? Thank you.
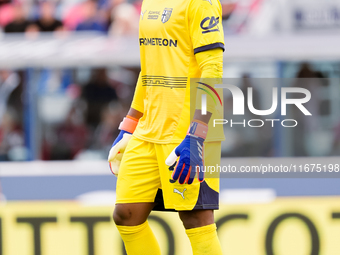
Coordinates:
(122, 215)
(189, 219)
(196, 218)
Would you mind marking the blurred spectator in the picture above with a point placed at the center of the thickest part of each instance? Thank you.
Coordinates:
(11, 138)
(227, 8)
(336, 142)
(88, 15)
(115, 3)
(124, 80)
(19, 23)
(309, 126)
(125, 20)
(47, 21)
(73, 15)
(107, 129)
(11, 135)
(246, 83)
(71, 137)
(9, 81)
(305, 71)
(246, 141)
(97, 94)
(6, 13)
(92, 21)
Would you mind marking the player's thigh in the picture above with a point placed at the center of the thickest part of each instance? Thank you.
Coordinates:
(138, 178)
(132, 214)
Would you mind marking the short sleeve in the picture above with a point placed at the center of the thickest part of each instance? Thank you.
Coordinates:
(138, 98)
(205, 25)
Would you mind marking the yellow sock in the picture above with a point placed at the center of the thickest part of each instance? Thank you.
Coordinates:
(204, 240)
(139, 240)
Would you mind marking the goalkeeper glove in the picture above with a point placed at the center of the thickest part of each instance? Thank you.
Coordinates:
(127, 127)
(190, 153)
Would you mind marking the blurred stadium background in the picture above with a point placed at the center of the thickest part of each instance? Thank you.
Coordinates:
(67, 75)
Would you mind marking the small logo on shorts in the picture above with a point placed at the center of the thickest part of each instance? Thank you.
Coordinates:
(181, 193)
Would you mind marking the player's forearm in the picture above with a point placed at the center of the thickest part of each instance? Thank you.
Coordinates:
(204, 118)
(135, 114)
(211, 65)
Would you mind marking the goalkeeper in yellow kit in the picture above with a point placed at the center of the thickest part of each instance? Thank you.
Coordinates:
(179, 40)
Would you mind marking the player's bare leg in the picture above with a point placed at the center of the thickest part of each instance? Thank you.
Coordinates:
(131, 221)
(132, 214)
(196, 218)
(201, 230)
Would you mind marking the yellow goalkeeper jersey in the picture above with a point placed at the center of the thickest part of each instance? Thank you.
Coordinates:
(171, 32)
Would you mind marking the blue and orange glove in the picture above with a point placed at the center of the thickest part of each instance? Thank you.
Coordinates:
(127, 127)
(190, 153)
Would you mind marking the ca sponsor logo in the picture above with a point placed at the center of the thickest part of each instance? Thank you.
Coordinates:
(210, 24)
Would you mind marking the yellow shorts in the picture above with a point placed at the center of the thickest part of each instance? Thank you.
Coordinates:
(144, 177)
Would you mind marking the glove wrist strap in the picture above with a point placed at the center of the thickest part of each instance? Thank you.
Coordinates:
(198, 129)
(128, 124)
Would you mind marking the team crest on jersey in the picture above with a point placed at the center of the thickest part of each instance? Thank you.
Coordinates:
(166, 14)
